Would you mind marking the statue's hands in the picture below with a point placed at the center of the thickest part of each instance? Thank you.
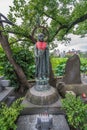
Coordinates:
(37, 56)
(40, 53)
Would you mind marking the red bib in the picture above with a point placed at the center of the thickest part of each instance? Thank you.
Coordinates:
(41, 45)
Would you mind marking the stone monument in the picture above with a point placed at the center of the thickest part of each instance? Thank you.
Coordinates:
(72, 71)
(42, 93)
(72, 79)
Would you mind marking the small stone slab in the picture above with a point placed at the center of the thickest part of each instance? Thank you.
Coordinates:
(28, 122)
(5, 93)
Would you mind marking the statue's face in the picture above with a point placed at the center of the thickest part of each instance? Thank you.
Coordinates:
(41, 37)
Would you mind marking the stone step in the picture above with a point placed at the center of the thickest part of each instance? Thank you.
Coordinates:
(5, 93)
(50, 110)
(9, 100)
(1, 77)
(28, 122)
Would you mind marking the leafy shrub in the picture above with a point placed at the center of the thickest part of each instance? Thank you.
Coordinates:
(32, 71)
(25, 59)
(58, 65)
(60, 69)
(57, 61)
(2, 54)
(8, 115)
(83, 67)
(76, 111)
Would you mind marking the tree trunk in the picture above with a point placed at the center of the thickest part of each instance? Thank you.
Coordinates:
(52, 80)
(19, 72)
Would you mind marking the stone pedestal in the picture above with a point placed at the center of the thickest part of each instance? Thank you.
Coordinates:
(44, 97)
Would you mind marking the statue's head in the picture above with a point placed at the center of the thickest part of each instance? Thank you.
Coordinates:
(41, 37)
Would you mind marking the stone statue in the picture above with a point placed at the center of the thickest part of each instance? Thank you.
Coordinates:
(42, 60)
(42, 93)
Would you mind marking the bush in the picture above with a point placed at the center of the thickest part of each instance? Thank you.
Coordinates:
(2, 55)
(58, 65)
(83, 67)
(8, 115)
(24, 58)
(76, 111)
(60, 69)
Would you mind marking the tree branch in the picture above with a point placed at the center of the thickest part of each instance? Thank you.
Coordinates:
(78, 20)
(57, 31)
(69, 26)
(17, 41)
(6, 20)
(9, 22)
(52, 18)
(21, 34)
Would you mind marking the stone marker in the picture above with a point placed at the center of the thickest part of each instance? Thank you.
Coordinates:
(72, 71)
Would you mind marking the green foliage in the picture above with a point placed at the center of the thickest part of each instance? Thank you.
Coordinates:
(56, 61)
(76, 111)
(83, 67)
(8, 115)
(32, 71)
(85, 126)
(2, 54)
(52, 14)
(24, 58)
(58, 65)
(60, 69)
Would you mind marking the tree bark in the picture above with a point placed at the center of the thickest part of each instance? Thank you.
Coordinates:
(19, 72)
(52, 79)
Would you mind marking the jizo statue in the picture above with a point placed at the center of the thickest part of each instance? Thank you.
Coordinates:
(42, 60)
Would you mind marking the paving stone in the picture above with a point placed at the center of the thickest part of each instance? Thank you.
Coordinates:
(28, 122)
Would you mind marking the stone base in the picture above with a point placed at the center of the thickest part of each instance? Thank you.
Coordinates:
(46, 97)
(28, 122)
